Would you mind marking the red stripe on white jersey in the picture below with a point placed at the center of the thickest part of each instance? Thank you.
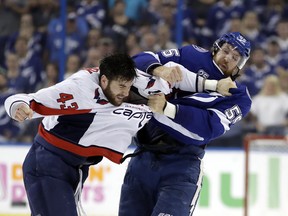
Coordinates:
(78, 149)
(43, 110)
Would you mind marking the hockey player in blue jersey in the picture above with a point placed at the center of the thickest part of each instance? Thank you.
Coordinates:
(165, 175)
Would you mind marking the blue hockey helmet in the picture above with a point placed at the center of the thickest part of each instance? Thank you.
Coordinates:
(237, 40)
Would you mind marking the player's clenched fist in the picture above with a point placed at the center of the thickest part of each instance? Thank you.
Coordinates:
(157, 103)
(22, 112)
(170, 74)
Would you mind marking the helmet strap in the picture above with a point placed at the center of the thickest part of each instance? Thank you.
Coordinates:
(236, 75)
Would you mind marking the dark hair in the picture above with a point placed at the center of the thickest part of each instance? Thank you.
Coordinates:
(118, 66)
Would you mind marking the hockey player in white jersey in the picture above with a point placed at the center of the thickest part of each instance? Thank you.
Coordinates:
(78, 114)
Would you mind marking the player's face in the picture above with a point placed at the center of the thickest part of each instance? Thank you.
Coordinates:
(227, 59)
(116, 91)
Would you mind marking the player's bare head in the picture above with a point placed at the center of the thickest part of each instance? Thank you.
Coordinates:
(117, 73)
(230, 52)
(118, 67)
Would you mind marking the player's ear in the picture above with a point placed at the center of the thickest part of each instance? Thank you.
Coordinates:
(104, 81)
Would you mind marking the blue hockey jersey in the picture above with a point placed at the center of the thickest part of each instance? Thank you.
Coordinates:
(200, 117)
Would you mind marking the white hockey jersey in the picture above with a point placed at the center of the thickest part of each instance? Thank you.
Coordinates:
(79, 118)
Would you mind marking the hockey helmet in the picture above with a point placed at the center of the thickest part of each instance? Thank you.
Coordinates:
(237, 40)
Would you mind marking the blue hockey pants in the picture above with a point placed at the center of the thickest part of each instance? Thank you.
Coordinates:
(161, 185)
(50, 182)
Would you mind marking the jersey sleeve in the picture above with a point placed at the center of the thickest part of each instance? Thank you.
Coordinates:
(71, 96)
(202, 117)
(147, 61)
(191, 82)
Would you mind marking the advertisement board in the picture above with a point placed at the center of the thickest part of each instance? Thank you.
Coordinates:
(222, 192)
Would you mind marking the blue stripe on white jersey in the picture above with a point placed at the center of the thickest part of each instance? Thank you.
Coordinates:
(73, 127)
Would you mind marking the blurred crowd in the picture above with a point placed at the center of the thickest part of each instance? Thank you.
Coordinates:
(30, 45)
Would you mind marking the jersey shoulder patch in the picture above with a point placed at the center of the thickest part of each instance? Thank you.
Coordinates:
(199, 49)
(92, 70)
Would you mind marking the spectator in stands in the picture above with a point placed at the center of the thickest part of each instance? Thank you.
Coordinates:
(106, 46)
(143, 28)
(151, 13)
(31, 64)
(254, 75)
(93, 37)
(273, 52)
(76, 33)
(201, 9)
(51, 75)
(93, 12)
(9, 20)
(251, 28)
(72, 65)
(93, 58)
(168, 16)
(271, 14)
(148, 41)
(16, 81)
(27, 30)
(133, 44)
(256, 5)
(119, 25)
(19, 7)
(9, 24)
(282, 35)
(42, 12)
(9, 130)
(270, 108)
(235, 24)
(164, 41)
(219, 15)
(134, 9)
(91, 41)
(283, 77)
